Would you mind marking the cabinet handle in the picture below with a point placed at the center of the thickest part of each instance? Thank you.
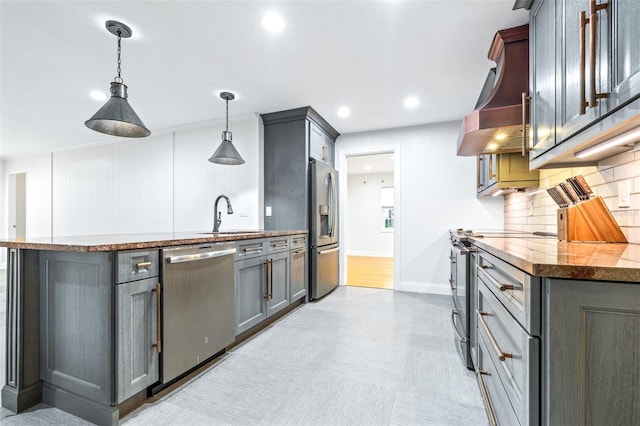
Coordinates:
(158, 344)
(485, 397)
(525, 98)
(501, 355)
(252, 250)
(299, 241)
(271, 279)
(593, 23)
(301, 251)
(583, 91)
(266, 273)
(478, 160)
(279, 245)
(453, 324)
(493, 282)
(142, 265)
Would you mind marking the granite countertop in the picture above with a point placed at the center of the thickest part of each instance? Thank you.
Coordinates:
(548, 257)
(87, 243)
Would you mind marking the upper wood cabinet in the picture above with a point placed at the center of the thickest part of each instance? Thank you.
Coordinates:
(585, 73)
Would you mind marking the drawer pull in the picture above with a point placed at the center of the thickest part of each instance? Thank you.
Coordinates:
(252, 250)
(494, 283)
(485, 397)
(501, 355)
(299, 241)
(141, 265)
(279, 245)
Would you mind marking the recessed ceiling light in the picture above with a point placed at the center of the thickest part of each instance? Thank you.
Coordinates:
(501, 136)
(411, 102)
(273, 22)
(98, 95)
(492, 146)
(344, 112)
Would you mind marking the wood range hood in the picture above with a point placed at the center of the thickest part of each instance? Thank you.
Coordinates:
(496, 125)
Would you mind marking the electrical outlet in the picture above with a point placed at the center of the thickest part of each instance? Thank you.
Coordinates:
(268, 211)
(243, 212)
(624, 194)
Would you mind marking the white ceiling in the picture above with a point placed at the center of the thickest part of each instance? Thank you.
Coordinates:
(366, 164)
(367, 55)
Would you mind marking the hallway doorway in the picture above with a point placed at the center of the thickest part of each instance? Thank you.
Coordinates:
(370, 220)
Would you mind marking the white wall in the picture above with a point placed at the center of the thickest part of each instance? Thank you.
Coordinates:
(163, 183)
(435, 191)
(366, 236)
(4, 224)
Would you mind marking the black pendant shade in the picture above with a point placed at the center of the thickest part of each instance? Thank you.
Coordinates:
(226, 153)
(117, 117)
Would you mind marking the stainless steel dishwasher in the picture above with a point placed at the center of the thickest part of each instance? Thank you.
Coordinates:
(197, 305)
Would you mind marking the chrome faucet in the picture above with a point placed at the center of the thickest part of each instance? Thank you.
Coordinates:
(217, 216)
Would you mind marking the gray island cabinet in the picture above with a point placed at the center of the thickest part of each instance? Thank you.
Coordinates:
(557, 342)
(84, 324)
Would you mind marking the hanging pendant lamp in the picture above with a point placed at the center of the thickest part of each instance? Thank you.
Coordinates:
(116, 117)
(226, 152)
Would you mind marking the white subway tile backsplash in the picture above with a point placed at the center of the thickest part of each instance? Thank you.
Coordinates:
(603, 179)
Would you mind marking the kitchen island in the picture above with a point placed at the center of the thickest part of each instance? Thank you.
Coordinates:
(556, 328)
(84, 327)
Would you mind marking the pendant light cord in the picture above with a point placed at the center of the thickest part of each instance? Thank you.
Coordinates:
(118, 79)
(227, 125)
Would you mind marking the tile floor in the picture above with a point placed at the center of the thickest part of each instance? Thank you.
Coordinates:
(359, 356)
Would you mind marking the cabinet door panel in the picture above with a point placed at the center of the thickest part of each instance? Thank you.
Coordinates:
(250, 293)
(592, 330)
(279, 282)
(299, 274)
(137, 359)
(625, 15)
(568, 118)
(543, 76)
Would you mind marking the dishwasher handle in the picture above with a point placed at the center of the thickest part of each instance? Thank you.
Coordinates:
(200, 256)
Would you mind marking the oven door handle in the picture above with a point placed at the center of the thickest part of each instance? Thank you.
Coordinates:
(200, 256)
(455, 329)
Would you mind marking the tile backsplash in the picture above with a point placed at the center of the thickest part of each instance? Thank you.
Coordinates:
(536, 211)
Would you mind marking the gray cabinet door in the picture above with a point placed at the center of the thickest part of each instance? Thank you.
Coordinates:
(591, 367)
(320, 144)
(278, 282)
(542, 47)
(569, 119)
(251, 293)
(136, 335)
(625, 52)
(299, 274)
(76, 326)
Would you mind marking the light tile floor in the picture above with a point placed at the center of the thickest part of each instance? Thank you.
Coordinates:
(359, 356)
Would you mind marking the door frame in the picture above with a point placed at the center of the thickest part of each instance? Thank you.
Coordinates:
(343, 168)
(16, 204)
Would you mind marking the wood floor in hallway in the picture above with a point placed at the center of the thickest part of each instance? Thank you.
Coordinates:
(367, 271)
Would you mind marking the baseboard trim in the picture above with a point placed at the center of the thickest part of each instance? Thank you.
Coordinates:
(369, 253)
(80, 406)
(419, 287)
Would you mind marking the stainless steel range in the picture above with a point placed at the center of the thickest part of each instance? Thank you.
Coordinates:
(460, 281)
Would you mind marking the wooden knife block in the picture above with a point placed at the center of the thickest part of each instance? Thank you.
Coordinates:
(589, 220)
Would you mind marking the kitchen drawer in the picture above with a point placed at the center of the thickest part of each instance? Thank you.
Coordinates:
(298, 241)
(278, 244)
(518, 291)
(246, 249)
(137, 265)
(498, 406)
(513, 351)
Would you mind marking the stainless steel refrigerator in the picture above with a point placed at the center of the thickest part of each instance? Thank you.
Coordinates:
(324, 242)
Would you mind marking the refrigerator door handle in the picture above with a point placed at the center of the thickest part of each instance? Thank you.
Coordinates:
(333, 201)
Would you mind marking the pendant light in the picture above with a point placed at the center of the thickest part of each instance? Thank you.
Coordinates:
(226, 152)
(116, 117)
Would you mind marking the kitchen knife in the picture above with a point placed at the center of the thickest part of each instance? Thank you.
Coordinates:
(563, 196)
(577, 188)
(584, 185)
(553, 193)
(568, 191)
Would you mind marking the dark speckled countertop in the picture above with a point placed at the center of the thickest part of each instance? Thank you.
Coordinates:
(548, 257)
(88, 243)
